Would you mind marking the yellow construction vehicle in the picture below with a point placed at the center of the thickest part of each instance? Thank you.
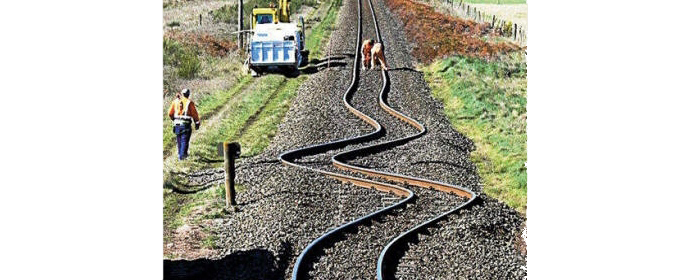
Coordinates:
(275, 40)
(271, 14)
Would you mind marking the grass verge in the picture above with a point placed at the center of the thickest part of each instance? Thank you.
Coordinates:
(206, 105)
(241, 109)
(486, 101)
(179, 208)
(316, 39)
(258, 134)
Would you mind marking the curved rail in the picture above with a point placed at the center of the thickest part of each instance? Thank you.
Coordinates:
(339, 159)
(288, 158)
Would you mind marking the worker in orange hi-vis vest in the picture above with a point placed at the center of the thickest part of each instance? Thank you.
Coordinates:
(378, 57)
(366, 53)
(182, 111)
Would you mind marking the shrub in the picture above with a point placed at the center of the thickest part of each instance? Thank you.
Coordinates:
(189, 65)
(227, 14)
(181, 57)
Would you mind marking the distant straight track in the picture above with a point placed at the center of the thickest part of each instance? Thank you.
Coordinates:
(387, 258)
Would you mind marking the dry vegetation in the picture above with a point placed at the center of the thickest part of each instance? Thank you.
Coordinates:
(208, 43)
(438, 35)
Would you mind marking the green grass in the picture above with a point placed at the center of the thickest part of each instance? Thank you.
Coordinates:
(184, 59)
(486, 101)
(494, 1)
(206, 105)
(258, 136)
(179, 206)
(208, 203)
(316, 39)
(241, 107)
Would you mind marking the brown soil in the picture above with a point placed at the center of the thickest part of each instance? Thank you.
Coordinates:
(204, 41)
(438, 35)
(186, 242)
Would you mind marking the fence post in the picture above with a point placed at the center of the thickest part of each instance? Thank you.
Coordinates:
(239, 24)
(515, 27)
(230, 152)
(199, 19)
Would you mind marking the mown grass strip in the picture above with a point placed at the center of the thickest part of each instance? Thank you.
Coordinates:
(207, 106)
(316, 41)
(486, 101)
(241, 109)
(258, 136)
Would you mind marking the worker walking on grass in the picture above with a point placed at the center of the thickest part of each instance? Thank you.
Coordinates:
(182, 111)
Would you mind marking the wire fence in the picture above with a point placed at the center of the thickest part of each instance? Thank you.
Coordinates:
(503, 27)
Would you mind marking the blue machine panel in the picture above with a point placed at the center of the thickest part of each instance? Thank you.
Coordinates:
(273, 52)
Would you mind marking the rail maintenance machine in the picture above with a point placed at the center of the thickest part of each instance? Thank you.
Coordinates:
(275, 41)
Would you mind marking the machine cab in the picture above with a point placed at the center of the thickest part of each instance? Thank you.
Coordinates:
(264, 16)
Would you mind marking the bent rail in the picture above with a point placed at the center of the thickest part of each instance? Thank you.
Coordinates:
(288, 158)
(339, 161)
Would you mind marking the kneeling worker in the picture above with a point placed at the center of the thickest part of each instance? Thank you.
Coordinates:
(182, 111)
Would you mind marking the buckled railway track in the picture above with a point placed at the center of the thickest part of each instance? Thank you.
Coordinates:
(387, 182)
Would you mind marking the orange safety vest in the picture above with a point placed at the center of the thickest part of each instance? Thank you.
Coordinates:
(183, 110)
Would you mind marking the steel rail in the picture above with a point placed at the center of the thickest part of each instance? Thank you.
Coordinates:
(289, 157)
(382, 269)
(338, 160)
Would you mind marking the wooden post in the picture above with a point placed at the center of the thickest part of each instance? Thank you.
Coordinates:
(199, 19)
(493, 21)
(229, 159)
(239, 25)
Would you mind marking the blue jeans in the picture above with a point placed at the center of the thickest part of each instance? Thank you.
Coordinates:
(183, 132)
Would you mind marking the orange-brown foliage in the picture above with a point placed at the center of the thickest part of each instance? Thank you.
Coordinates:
(438, 35)
(206, 42)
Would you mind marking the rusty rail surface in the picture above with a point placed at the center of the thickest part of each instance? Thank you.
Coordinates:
(339, 160)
